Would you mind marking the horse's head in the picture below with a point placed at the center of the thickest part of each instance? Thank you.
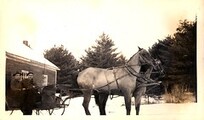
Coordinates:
(158, 71)
(145, 58)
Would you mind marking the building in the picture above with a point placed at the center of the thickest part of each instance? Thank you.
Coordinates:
(22, 58)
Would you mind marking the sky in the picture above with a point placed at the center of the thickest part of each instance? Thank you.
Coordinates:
(76, 24)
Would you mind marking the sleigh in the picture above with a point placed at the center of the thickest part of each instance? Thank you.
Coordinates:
(47, 99)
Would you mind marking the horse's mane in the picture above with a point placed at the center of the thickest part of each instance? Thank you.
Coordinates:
(135, 54)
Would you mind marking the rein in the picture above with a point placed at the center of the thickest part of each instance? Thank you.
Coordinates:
(132, 72)
(116, 79)
(138, 75)
(110, 82)
(144, 81)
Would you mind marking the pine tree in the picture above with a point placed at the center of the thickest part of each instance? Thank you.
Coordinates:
(185, 54)
(103, 55)
(67, 63)
(162, 51)
(178, 55)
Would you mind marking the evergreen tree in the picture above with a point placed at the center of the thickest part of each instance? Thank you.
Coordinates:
(184, 59)
(67, 63)
(162, 51)
(178, 55)
(103, 54)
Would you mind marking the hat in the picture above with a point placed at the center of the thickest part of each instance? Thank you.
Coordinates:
(29, 73)
(17, 73)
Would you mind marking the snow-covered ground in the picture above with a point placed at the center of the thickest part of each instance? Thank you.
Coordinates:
(115, 108)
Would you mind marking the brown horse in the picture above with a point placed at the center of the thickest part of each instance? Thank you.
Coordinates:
(157, 72)
(120, 80)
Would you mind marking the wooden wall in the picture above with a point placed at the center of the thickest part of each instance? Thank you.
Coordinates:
(14, 65)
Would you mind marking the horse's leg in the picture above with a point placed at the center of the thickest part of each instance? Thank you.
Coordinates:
(138, 95)
(140, 91)
(102, 103)
(137, 108)
(87, 98)
(137, 103)
(127, 98)
(98, 101)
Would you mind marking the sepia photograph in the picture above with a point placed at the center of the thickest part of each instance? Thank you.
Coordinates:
(102, 59)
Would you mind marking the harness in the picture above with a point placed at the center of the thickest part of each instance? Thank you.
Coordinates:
(141, 78)
(116, 80)
(108, 83)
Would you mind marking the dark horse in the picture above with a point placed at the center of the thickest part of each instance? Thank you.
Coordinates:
(149, 72)
(119, 80)
(155, 74)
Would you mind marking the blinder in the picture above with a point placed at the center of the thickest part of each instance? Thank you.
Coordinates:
(144, 60)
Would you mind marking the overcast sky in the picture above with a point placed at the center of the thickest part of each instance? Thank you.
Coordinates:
(76, 24)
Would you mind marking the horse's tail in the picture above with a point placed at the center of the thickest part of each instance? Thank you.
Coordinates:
(74, 78)
(75, 89)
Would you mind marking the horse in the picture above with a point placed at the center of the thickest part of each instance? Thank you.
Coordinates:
(157, 72)
(119, 80)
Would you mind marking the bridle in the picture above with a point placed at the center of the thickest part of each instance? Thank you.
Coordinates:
(135, 73)
(146, 61)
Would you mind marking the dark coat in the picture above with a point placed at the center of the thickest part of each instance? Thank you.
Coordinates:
(25, 99)
(14, 94)
(28, 84)
(16, 85)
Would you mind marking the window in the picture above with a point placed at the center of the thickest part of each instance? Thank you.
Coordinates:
(24, 74)
(45, 80)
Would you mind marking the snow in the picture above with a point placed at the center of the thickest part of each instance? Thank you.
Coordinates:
(115, 108)
(22, 50)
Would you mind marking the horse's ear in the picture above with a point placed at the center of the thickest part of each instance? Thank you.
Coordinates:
(139, 48)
